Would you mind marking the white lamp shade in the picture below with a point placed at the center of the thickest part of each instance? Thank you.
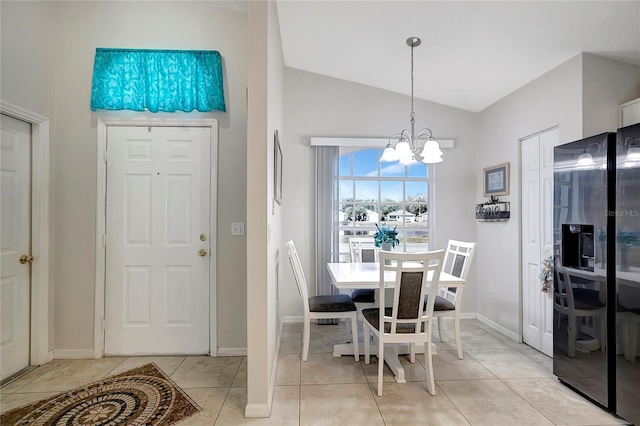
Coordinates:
(403, 149)
(431, 148)
(432, 158)
(633, 155)
(405, 161)
(585, 159)
(389, 154)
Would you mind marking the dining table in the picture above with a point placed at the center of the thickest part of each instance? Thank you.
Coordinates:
(355, 275)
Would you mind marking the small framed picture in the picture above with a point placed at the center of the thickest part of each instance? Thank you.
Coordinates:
(496, 180)
(277, 169)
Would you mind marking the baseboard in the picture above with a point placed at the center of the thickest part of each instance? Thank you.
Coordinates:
(264, 410)
(468, 315)
(257, 410)
(231, 352)
(50, 356)
(72, 353)
(497, 327)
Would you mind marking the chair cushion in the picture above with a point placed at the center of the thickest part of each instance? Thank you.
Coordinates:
(588, 304)
(331, 303)
(364, 295)
(372, 316)
(585, 298)
(586, 294)
(441, 304)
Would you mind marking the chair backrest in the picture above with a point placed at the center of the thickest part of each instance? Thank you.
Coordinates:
(363, 250)
(416, 274)
(458, 259)
(298, 273)
(560, 287)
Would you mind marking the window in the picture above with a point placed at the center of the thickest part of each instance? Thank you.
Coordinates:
(388, 194)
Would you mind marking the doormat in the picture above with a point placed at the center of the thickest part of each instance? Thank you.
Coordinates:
(141, 396)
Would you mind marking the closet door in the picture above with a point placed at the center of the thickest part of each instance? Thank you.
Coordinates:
(537, 237)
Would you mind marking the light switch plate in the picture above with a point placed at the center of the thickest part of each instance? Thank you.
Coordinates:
(237, 228)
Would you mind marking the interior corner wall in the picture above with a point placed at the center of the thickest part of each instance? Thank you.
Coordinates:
(606, 85)
(316, 105)
(27, 59)
(277, 255)
(47, 63)
(554, 99)
(263, 217)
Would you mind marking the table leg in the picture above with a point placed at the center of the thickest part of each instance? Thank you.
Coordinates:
(391, 353)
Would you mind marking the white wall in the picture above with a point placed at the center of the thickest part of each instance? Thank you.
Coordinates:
(581, 97)
(316, 105)
(606, 84)
(551, 100)
(264, 241)
(27, 82)
(64, 36)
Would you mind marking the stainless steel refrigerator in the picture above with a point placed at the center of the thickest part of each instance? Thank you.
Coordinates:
(597, 269)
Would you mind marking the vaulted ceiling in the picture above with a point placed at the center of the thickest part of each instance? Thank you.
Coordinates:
(473, 53)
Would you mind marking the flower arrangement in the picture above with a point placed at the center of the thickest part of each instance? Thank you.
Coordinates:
(628, 237)
(625, 236)
(546, 274)
(386, 235)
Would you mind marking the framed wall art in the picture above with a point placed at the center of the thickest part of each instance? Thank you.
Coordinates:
(496, 180)
(277, 169)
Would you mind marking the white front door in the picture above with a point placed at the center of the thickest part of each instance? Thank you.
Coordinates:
(157, 240)
(537, 237)
(15, 236)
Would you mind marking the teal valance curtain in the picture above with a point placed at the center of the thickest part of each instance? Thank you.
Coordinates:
(157, 80)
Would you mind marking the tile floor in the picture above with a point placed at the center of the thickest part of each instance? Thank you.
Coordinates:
(499, 382)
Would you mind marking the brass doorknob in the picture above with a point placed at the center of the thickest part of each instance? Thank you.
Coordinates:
(202, 252)
(26, 258)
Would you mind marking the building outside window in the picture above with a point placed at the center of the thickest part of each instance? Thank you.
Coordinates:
(388, 194)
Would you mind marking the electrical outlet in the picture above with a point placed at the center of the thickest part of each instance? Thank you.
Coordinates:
(491, 288)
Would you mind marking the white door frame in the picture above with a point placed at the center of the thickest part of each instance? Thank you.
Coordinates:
(101, 192)
(39, 331)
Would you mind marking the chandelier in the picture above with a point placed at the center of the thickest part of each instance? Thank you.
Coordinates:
(406, 149)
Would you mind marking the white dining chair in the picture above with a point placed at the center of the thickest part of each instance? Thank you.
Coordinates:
(457, 262)
(577, 307)
(332, 306)
(405, 321)
(363, 250)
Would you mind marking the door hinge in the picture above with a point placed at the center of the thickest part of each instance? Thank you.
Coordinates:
(103, 326)
(104, 240)
(104, 155)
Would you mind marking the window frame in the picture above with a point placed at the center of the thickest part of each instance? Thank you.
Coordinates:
(355, 230)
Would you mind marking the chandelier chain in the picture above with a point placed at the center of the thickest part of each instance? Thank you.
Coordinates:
(412, 112)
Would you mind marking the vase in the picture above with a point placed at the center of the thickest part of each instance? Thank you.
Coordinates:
(386, 247)
(623, 261)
